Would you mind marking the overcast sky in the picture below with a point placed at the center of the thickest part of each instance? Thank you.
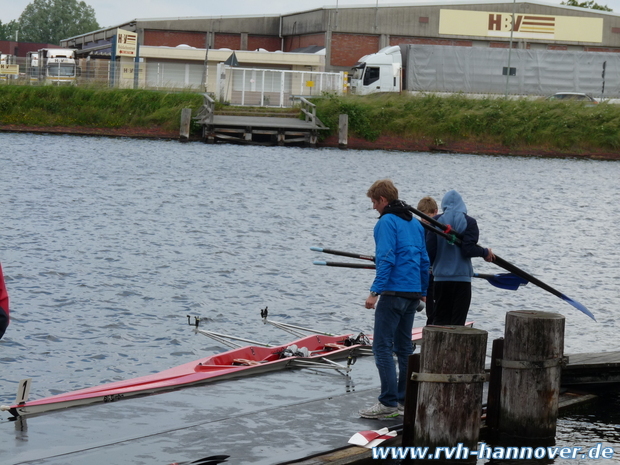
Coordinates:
(113, 12)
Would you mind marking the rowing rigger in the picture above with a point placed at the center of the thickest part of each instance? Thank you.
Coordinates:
(317, 350)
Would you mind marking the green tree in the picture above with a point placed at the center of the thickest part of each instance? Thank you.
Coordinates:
(587, 4)
(49, 21)
(7, 31)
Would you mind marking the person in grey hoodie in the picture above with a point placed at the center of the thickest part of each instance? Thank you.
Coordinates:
(452, 268)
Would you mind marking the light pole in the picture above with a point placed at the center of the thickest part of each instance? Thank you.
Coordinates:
(512, 28)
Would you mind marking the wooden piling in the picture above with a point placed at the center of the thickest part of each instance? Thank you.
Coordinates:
(450, 387)
(495, 385)
(343, 131)
(186, 119)
(411, 401)
(531, 369)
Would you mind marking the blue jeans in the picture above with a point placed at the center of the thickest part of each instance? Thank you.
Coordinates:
(392, 334)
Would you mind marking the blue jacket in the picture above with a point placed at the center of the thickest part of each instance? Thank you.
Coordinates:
(451, 262)
(400, 255)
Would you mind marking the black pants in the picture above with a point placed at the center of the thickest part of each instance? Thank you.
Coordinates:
(430, 302)
(4, 322)
(452, 299)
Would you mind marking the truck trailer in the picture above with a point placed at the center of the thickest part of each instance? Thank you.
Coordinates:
(485, 70)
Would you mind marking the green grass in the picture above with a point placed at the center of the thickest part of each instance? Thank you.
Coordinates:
(72, 106)
(569, 126)
(513, 123)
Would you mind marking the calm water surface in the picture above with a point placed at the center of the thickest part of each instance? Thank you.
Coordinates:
(107, 245)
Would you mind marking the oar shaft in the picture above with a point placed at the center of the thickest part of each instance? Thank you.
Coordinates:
(367, 266)
(344, 254)
(499, 261)
(433, 222)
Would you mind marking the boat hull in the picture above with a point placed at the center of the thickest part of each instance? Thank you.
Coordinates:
(218, 367)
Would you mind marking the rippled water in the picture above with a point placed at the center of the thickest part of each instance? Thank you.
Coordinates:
(107, 245)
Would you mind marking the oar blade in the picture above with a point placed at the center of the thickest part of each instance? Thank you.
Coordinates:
(579, 306)
(506, 281)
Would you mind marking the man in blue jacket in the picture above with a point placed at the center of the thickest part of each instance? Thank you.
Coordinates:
(452, 268)
(401, 279)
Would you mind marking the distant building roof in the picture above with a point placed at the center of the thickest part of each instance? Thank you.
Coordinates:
(309, 49)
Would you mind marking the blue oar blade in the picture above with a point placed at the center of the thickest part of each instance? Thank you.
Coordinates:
(578, 306)
(506, 281)
(319, 262)
(509, 279)
(316, 249)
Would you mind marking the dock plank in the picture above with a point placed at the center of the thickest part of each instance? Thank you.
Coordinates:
(263, 122)
(592, 368)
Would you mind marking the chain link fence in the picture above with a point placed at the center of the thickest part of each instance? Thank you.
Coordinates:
(235, 86)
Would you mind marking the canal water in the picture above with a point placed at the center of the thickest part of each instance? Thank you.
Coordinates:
(107, 246)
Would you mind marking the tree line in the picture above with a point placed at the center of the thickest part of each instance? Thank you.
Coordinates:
(49, 21)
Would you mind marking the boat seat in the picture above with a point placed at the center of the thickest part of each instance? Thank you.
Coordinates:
(334, 345)
(245, 361)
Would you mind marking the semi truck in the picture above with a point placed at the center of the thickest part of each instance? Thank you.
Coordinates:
(485, 70)
(57, 66)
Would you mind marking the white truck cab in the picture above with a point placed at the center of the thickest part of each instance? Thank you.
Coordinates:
(378, 72)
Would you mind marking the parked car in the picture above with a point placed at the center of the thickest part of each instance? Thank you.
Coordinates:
(578, 96)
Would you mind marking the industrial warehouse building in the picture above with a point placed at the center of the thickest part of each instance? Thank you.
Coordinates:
(348, 33)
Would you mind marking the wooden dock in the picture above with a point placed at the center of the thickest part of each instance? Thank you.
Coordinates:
(263, 130)
(592, 369)
(582, 371)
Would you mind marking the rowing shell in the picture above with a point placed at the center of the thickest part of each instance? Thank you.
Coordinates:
(313, 351)
(310, 351)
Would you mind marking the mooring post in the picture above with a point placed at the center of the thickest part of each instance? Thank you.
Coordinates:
(343, 131)
(186, 119)
(450, 385)
(495, 385)
(531, 369)
(411, 400)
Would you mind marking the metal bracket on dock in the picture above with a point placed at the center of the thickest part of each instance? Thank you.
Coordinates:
(532, 365)
(450, 378)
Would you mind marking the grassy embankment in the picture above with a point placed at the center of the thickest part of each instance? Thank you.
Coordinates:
(428, 121)
(78, 107)
(442, 121)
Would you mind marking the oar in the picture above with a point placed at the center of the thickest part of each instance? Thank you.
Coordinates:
(344, 254)
(519, 272)
(506, 281)
(368, 266)
(452, 237)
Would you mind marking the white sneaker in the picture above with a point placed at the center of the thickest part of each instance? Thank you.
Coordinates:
(379, 411)
(401, 409)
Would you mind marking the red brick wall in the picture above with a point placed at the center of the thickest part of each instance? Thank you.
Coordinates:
(269, 43)
(397, 40)
(231, 41)
(600, 49)
(174, 38)
(9, 46)
(557, 47)
(293, 42)
(347, 49)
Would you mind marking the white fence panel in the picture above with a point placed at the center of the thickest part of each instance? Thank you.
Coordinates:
(262, 87)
